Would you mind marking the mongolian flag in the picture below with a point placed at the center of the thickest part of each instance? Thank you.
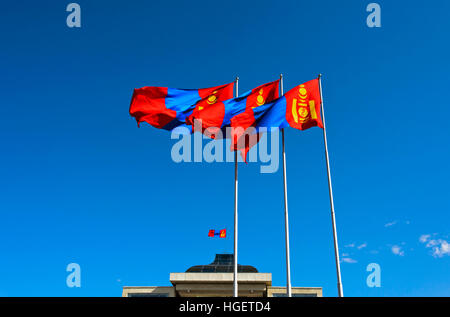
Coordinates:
(299, 108)
(214, 233)
(167, 108)
(216, 115)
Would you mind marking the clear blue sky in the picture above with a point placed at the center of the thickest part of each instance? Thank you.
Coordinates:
(79, 182)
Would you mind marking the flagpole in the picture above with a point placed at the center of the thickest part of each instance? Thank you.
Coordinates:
(235, 257)
(330, 189)
(286, 217)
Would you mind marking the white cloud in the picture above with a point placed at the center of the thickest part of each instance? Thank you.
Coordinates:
(397, 250)
(349, 260)
(439, 247)
(442, 249)
(423, 238)
(361, 246)
(389, 224)
(351, 245)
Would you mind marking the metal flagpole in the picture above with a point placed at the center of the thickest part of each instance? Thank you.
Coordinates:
(286, 218)
(235, 275)
(330, 188)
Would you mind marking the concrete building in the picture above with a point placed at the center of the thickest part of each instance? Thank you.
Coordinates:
(216, 280)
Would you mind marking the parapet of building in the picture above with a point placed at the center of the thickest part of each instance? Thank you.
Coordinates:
(216, 280)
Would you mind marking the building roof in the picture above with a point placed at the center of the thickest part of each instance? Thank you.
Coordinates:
(223, 263)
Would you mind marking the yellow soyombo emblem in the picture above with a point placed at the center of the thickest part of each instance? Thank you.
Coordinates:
(260, 99)
(212, 99)
(305, 111)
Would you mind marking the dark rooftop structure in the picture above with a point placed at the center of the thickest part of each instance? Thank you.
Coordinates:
(223, 263)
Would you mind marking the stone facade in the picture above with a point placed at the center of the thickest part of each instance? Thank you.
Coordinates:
(216, 280)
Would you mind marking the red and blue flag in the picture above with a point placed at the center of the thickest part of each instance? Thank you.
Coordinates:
(217, 115)
(217, 233)
(299, 108)
(167, 108)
